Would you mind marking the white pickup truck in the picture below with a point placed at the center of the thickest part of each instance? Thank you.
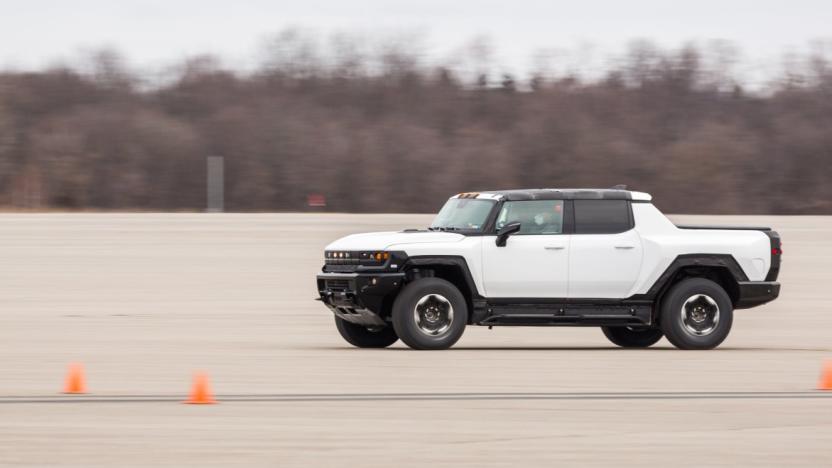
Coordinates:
(549, 257)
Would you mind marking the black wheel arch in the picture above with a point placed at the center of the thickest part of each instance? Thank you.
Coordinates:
(722, 269)
(451, 268)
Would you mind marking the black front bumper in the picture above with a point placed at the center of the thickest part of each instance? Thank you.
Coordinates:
(360, 298)
(754, 293)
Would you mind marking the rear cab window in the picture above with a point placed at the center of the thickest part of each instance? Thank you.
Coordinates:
(602, 216)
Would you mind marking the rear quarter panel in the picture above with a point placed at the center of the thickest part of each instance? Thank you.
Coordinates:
(662, 242)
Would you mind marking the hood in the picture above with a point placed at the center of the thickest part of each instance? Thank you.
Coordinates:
(382, 240)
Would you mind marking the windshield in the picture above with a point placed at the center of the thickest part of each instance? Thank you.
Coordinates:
(463, 213)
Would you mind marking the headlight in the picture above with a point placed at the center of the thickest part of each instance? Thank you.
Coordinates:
(378, 257)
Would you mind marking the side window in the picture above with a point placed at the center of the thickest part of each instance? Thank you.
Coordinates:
(602, 216)
(534, 216)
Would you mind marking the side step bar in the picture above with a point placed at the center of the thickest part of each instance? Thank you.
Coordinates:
(567, 315)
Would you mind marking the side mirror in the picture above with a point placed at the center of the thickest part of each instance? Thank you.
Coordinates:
(505, 231)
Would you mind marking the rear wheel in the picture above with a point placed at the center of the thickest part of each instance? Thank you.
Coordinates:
(696, 314)
(627, 337)
(363, 337)
(430, 313)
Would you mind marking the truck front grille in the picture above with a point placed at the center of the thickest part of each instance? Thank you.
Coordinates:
(337, 284)
(340, 268)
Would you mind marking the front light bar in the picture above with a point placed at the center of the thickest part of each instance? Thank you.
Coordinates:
(346, 257)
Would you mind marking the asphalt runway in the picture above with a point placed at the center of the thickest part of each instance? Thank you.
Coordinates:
(146, 300)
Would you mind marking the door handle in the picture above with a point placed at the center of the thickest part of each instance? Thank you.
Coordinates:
(554, 247)
(624, 247)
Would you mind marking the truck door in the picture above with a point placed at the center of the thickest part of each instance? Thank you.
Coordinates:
(534, 263)
(605, 251)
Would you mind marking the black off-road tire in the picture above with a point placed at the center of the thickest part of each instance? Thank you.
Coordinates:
(362, 337)
(633, 338)
(439, 294)
(673, 323)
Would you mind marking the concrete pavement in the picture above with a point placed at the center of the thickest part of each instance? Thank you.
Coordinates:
(144, 300)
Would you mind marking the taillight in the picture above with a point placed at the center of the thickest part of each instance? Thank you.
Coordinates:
(776, 251)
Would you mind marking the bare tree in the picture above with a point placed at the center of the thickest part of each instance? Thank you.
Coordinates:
(377, 128)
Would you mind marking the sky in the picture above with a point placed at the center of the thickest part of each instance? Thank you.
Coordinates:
(40, 33)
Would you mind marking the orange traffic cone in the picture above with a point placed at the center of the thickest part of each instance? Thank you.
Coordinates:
(200, 391)
(826, 377)
(75, 379)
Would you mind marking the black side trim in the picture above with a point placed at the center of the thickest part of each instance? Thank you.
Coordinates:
(552, 301)
(724, 228)
(574, 313)
(636, 310)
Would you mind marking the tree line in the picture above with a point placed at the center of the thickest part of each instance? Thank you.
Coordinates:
(391, 133)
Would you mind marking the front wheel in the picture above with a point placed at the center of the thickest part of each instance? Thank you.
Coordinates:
(430, 313)
(696, 314)
(363, 337)
(627, 337)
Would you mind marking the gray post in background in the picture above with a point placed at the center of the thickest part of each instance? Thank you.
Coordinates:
(215, 195)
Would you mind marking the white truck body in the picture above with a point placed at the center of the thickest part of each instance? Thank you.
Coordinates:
(577, 265)
(557, 257)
